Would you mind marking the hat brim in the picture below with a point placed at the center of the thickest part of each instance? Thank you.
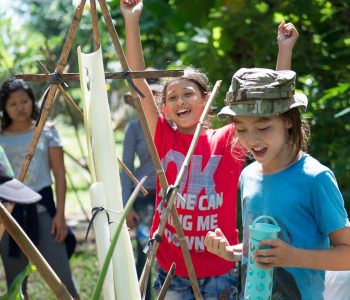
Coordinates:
(266, 107)
(15, 191)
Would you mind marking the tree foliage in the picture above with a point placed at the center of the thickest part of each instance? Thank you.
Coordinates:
(218, 36)
(221, 36)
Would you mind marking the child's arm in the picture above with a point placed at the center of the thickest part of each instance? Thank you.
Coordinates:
(287, 36)
(283, 255)
(132, 10)
(217, 244)
(59, 226)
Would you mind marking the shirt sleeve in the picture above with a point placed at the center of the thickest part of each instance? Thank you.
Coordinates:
(129, 153)
(53, 137)
(328, 203)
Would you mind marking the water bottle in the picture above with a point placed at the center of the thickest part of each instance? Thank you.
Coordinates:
(259, 281)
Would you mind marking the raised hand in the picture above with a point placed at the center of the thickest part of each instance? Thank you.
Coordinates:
(131, 8)
(287, 35)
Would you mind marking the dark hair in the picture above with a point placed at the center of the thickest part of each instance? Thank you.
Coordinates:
(193, 75)
(200, 80)
(10, 86)
(299, 133)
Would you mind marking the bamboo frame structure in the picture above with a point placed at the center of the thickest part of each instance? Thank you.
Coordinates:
(81, 115)
(108, 75)
(111, 75)
(154, 154)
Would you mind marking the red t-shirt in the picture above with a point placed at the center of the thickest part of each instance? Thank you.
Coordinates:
(210, 190)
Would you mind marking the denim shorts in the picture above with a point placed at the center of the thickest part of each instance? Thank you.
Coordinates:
(223, 287)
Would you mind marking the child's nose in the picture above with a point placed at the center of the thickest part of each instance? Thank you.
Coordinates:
(180, 100)
(252, 140)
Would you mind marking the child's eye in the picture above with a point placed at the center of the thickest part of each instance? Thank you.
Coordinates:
(240, 130)
(188, 94)
(264, 128)
(171, 98)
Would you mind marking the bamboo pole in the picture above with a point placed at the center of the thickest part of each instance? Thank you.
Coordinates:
(103, 166)
(108, 75)
(33, 255)
(167, 281)
(102, 238)
(70, 180)
(94, 19)
(50, 98)
(153, 152)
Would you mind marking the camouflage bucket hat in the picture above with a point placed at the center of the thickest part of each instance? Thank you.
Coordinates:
(262, 92)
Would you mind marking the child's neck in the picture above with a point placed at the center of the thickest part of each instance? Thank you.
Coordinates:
(192, 130)
(280, 166)
(20, 127)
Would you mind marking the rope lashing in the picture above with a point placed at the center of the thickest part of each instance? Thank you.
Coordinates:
(126, 76)
(94, 212)
(56, 80)
(157, 237)
(163, 203)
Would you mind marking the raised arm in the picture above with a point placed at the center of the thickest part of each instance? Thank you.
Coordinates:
(132, 10)
(287, 36)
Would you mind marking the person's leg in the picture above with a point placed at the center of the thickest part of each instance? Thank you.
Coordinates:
(12, 265)
(179, 289)
(220, 287)
(144, 206)
(55, 253)
(212, 288)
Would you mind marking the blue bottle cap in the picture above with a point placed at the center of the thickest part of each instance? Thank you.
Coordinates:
(264, 231)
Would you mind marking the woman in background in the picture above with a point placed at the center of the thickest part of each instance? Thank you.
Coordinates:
(43, 222)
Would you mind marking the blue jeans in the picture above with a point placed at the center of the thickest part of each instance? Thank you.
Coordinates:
(223, 287)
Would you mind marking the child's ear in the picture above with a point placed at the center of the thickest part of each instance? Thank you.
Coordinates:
(288, 124)
(164, 110)
(206, 97)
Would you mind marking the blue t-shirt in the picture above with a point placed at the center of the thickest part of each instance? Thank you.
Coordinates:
(308, 206)
(16, 145)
